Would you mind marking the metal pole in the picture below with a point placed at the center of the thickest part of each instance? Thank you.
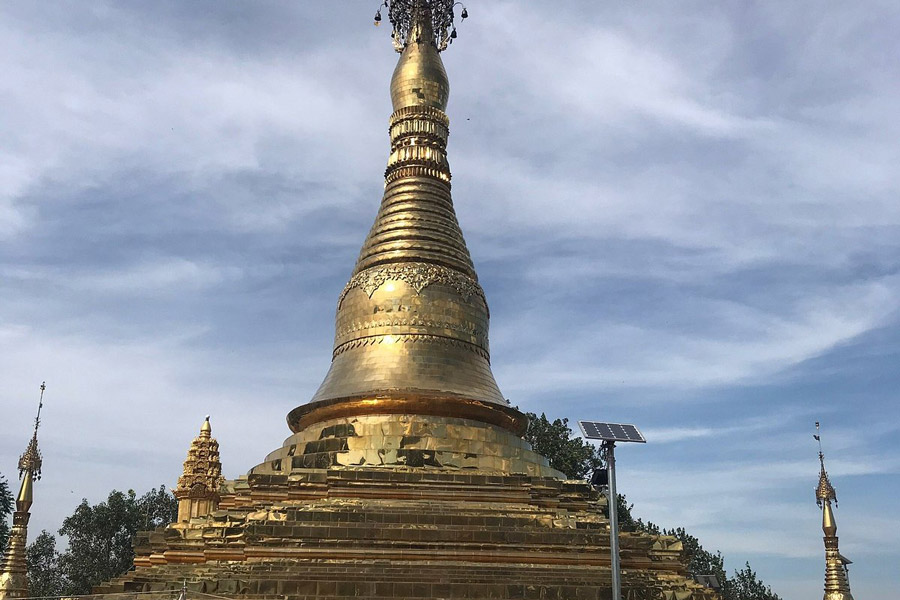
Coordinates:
(613, 520)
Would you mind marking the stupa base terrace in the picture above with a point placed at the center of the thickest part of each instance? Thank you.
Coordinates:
(404, 521)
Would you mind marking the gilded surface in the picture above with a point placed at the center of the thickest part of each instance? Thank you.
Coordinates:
(485, 412)
(837, 584)
(405, 440)
(413, 319)
(14, 577)
(406, 476)
(824, 491)
(418, 276)
(198, 487)
(14, 574)
(31, 461)
(405, 532)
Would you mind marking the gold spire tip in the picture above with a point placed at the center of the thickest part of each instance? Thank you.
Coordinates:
(824, 491)
(422, 21)
(30, 462)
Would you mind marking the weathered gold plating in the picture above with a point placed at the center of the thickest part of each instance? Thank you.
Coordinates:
(439, 406)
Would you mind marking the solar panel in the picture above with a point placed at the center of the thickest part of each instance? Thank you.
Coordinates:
(611, 432)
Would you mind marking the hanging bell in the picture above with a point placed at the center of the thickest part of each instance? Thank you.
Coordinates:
(378, 17)
(464, 13)
(453, 34)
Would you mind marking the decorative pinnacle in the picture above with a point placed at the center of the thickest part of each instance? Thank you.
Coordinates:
(418, 20)
(824, 491)
(31, 461)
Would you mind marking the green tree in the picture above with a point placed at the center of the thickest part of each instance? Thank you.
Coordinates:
(554, 440)
(627, 522)
(159, 507)
(577, 459)
(100, 536)
(6, 509)
(746, 586)
(44, 575)
(99, 540)
(699, 560)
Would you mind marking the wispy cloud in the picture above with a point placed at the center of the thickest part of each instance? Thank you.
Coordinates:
(683, 216)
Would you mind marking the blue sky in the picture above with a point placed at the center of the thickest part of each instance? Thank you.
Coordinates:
(684, 216)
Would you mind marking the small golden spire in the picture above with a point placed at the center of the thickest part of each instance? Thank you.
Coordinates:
(837, 583)
(198, 487)
(824, 491)
(14, 576)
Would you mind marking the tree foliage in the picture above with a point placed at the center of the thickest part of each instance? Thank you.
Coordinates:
(578, 459)
(100, 535)
(159, 507)
(99, 540)
(699, 560)
(44, 576)
(554, 440)
(6, 509)
(746, 586)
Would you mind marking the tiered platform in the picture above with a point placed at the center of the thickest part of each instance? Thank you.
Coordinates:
(401, 531)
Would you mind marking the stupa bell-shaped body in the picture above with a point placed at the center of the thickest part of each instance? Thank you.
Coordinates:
(412, 323)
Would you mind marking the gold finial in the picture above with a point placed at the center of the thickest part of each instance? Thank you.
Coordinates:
(206, 428)
(824, 491)
(837, 583)
(31, 461)
(422, 21)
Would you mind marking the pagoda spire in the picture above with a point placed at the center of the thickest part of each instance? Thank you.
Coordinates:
(412, 323)
(837, 584)
(198, 487)
(14, 574)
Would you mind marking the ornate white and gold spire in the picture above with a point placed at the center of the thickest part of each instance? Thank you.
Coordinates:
(837, 584)
(14, 574)
(412, 323)
(198, 487)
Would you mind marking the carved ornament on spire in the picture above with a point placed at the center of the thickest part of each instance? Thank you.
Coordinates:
(198, 487)
(14, 565)
(31, 461)
(409, 16)
(824, 491)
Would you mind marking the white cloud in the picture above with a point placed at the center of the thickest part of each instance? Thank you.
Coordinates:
(734, 166)
(740, 343)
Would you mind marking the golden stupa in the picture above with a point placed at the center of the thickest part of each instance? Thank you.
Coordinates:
(406, 475)
(837, 581)
(14, 566)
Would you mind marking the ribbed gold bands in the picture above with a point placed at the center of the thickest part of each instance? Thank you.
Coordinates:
(409, 112)
(393, 174)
